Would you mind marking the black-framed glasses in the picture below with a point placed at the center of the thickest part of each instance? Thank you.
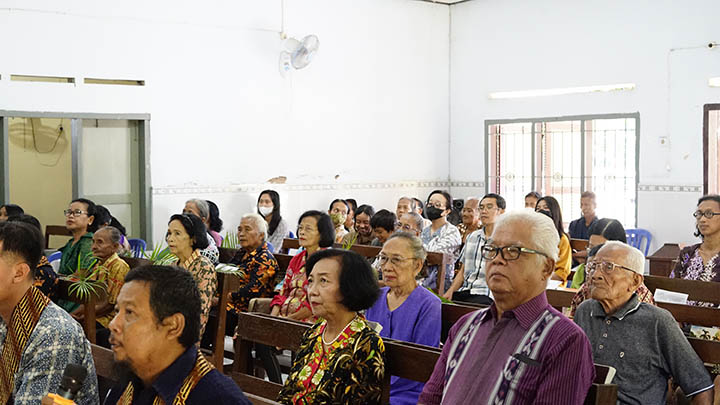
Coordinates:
(394, 260)
(707, 214)
(74, 213)
(489, 252)
(605, 267)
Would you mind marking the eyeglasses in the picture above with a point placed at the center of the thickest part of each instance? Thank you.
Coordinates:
(436, 204)
(404, 227)
(606, 267)
(394, 260)
(489, 252)
(75, 213)
(706, 214)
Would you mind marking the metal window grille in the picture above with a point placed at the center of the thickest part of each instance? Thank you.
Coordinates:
(565, 156)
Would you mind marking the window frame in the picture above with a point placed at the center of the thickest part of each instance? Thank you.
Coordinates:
(706, 146)
(582, 118)
(145, 197)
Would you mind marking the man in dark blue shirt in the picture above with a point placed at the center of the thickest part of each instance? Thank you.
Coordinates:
(579, 228)
(154, 339)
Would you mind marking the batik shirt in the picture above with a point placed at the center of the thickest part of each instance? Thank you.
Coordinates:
(258, 280)
(350, 372)
(56, 341)
(203, 272)
(113, 272)
(46, 280)
(690, 266)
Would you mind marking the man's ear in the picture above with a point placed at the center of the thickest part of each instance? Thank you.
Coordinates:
(549, 268)
(636, 281)
(21, 272)
(174, 326)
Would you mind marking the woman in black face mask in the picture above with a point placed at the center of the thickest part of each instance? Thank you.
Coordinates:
(441, 236)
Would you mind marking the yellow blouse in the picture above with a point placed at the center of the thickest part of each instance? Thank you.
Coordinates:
(562, 267)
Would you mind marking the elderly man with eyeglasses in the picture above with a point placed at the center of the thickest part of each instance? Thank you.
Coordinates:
(642, 342)
(519, 350)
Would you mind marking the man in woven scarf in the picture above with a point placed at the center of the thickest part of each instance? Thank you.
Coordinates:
(37, 338)
(154, 340)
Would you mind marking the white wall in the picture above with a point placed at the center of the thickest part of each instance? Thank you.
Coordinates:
(223, 119)
(521, 45)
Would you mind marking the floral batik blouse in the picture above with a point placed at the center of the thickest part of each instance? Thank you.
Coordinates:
(203, 271)
(351, 371)
(690, 266)
(293, 295)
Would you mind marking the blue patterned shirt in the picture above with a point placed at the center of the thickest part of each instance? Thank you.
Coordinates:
(56, 341)
(446, 240)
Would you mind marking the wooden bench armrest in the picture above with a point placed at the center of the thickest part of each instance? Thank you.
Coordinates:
(260, 305)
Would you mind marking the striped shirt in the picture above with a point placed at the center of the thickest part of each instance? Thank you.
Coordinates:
(474, 265)
(530, 355)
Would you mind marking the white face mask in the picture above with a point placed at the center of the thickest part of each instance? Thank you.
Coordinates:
(264, 210)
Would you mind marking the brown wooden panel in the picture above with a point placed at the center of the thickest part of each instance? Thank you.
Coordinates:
(602, 394)
(414, 362)
(578, 244)
(559, 298)
(226, 254)
(707, 350)
(691, 314)
(707, 291)
(103, 359)
(257, 400)
(256, 386)
(55, 230)
(271, 330)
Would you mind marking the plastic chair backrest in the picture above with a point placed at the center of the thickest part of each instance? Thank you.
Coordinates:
(55, 256)
(138, 246)
(636, 237)
(270, 247)
(291, 235)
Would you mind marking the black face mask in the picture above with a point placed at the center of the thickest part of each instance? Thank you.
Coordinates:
(433, 213)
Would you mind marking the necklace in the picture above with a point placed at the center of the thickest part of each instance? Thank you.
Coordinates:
(338, 335)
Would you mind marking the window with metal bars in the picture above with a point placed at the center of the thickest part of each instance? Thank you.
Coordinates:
(565, 156)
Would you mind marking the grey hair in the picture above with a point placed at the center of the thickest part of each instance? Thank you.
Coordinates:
(260, 223)
(414, 243)
(114, 233)
(634, 258)
(202, 207)
(417, 219)
(542, 230)
(413, 203)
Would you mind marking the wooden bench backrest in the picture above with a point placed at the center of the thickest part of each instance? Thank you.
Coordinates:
(55, 230)
(414, 362)
(134, 262)
(103, 359)
(697, 290)
(579, 244)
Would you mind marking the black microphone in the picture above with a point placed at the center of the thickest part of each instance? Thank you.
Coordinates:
(72, 380)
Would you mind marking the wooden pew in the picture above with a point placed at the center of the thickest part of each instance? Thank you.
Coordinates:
(55, 230)
(228, 283)
(88, 323)
(103, 359)
(415, 362)
(706, 291)
(578, 244)
(370, 252)
(134, 262)
(406, 360)
(664, 259)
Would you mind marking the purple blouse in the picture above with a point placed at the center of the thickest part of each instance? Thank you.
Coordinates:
(417, 320)
(530, 355)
